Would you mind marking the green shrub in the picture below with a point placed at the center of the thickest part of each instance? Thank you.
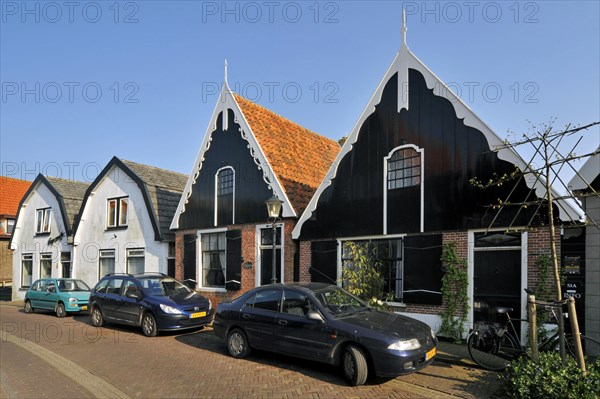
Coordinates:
(549, 377)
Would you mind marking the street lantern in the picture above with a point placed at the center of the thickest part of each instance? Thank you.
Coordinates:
(273, 206)
(273, 210)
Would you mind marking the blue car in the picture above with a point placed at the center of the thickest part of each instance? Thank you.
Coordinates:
(60, 295)
(155, 302)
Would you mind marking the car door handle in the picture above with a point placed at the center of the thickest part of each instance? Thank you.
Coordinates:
(246, 316)
(282, 322)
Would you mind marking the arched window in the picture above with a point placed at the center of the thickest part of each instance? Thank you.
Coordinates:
(225, 196)
(403, 189)
(404, 168)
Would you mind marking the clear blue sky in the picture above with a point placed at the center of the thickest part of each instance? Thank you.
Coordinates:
(84, 81)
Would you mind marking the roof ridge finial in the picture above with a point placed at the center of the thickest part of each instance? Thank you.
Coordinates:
(225, 74)
(404, 27)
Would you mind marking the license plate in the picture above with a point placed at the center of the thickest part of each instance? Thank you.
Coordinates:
(197, 314)
(84, 307)
(430, 354)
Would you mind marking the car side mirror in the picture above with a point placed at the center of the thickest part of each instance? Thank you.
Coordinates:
(133, 294)
(314, 315)
(51, 289)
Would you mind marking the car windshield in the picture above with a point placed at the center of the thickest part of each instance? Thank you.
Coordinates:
(72, 285)
(338, 302)
(161, 286)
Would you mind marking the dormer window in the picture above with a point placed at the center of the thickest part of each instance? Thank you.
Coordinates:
(225, 196)
(116, 212)
(42, 224)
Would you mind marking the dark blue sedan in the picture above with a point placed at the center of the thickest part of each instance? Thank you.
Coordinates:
(325, 323)
(155, 302)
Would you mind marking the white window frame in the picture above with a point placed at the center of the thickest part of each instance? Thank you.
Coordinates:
(259, 247)
(102, 255)
(45, 257)
(43, 220)
(421, 152)
(217, 197)
(26, 258)
(200, 271)
(116, 223)
(135, 253)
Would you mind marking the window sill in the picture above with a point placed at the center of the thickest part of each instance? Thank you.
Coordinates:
(210, 289)
(23, 288)
(42, 234)
(116, 228)
(396, 305)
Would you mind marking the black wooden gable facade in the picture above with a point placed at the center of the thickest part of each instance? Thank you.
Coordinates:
(229, 188)
(427, 187)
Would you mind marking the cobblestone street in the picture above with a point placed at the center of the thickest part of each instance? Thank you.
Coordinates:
(43, 356)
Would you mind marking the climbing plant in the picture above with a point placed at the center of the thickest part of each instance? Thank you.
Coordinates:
(361, 276)
(454, 293)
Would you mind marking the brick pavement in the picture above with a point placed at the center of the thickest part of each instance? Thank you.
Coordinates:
(196, 364)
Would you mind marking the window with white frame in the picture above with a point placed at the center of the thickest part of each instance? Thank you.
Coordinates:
(404, 168)
(135, 260)
(388, 254)
(65, 261)
(42, 223)
(213, 259)
(107, 262)
(116, 212)
(26, 269)
(45, 265)
(225, 196)
(266, 255)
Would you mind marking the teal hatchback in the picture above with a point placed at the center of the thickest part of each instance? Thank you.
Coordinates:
(60, 295)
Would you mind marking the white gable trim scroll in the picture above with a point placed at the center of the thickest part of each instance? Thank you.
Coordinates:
(403, 61)
(227, 101)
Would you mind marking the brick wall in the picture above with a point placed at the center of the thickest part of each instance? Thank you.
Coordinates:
(6, 260)
(305, 260)
(538, 244)
(249, 253)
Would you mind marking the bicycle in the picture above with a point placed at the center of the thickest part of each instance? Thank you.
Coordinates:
(492, 345)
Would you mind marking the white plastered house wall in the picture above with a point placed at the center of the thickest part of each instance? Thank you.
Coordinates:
(25, 240)
(92, 234)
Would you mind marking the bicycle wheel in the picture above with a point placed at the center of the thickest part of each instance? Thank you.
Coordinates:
(493, 354)
(590, 346)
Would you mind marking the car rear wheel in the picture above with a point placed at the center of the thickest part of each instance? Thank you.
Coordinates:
(237, 344)
(354, 366)
(60, 310)
(28, 307)
(149, 325)
(97, 318)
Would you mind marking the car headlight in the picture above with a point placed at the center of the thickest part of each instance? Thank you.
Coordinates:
(433, 335)
(209, 305)
(169, 309)
(72, 300)
(405, 345)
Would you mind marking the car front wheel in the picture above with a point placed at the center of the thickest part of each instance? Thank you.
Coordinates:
(354, 366)
(60, 310)
(237, 344)
(28, 307)
(149, 325)
(97, 318)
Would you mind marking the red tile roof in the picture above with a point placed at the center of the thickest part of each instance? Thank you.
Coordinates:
(299, 157)
(11, 193)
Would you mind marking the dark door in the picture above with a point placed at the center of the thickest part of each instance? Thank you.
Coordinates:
(258, 317)
(189, 256)
(497, 277)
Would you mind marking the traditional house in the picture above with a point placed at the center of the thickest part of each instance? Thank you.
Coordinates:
(43, 233)
(583, 279)
(124, 221)
(12, 191)
(248, 154)
(402, 183)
